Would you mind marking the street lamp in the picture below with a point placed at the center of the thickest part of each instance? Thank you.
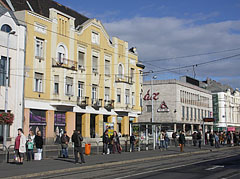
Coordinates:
(153, 126)
(6, 89)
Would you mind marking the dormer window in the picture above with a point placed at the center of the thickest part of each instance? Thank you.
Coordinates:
(6, 28)
(95, 38)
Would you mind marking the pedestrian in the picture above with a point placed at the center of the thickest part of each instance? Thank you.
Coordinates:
(161, 139)
(64, 144)
(30, 145)
(211, 137)
(132, 142)
(216, 140)
(166, 140)
(39, 143)
(20, 146)
(199, 139)
(181, 140)
(174, 137)
(115, 143)
(106, 140)
(77, 140)
(194, 139)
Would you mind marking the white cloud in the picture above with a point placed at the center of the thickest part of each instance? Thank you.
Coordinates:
(158, 38)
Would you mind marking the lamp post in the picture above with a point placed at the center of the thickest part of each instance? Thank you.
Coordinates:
(153, 126)
(6, 89)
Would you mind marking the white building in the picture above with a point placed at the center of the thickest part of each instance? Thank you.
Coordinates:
(177, 105)
(8, 23)
(227, 110)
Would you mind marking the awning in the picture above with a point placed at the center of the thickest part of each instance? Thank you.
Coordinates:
(32, 104)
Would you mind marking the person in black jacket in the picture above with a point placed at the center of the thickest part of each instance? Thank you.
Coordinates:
(181, 140)
(39, 142)
(64, 144)
(106, 140)
(77, 140)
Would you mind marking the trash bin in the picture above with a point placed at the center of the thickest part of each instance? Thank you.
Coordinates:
(87, 149)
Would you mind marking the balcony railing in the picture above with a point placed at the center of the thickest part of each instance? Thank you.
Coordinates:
(82, 101)
(123, 79)
(96, 103)
(64, 63)
(109, 104)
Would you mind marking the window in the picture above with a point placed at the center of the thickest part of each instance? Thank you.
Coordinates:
(6, 28)
(120, 71)
(198, 114)
(69, 86)
(3, 69)
(107, 94)
(94, 93)
(38, 82)
(95, 38)
(187, 113)
(141, 100)
(191, 113)
(61, 58)
(132, 74)
(133, 98)
(94, 64)
(195, 113)
(56, 84)
(80, 89)
(127, 94)
(81, 57)
(183, 112)
(39, 46)
(149, 108)
(107, 67)
(119, 95)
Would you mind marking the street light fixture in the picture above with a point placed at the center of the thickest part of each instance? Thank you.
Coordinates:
(153, 126)
(6, 89)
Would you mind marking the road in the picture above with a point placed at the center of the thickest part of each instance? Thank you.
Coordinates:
(218, 164)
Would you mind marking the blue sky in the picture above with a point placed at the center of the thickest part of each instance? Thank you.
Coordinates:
(163, 29)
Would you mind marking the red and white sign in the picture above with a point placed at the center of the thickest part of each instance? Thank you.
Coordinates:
(148, 97)
(163, 107)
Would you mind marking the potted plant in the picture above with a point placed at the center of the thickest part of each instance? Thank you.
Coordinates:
(6, 118)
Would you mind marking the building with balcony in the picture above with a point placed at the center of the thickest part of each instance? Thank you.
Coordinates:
(12, 44)
(177, 105)
(76, 76)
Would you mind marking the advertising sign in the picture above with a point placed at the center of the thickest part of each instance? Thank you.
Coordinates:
(108, 126)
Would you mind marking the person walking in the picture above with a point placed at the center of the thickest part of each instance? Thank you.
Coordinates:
(194, 139)
(20, 146)
(39, 143)
(174, 137)
(64, 144)
(216, 140)
(106, 140)
(181, 140)
(115, 142)
(77, 140)
(211, 137)
(199, 139)
(132, 142)
(166, 140)
(162, 141)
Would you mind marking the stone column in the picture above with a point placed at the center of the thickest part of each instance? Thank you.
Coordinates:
(191, 128)
(26, 121)
(184, 129)
(99, 125)
(70, 122)
(86, 125)
(50, 126)
(125, 125)
(175, 127)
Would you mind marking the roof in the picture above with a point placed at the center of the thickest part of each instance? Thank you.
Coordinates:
(3, 10)
(42, 7)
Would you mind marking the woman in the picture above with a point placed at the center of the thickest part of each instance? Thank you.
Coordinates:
(39, 142)
(30, 143)
(20, 146)
(115, 142)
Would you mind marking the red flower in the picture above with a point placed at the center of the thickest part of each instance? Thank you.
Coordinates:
(6, 118)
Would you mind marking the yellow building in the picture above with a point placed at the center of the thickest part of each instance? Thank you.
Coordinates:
(76, 77)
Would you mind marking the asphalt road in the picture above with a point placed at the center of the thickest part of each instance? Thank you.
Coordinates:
(218, 164)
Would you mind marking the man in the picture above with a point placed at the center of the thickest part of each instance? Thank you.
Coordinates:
(106, 140)
(64, 144)
(199, 139)
(181, 140)
(174, 137)
(132, 142)
(77, 140)
(194, 139)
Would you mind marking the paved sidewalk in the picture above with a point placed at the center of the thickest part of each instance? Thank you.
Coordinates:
(10, 169)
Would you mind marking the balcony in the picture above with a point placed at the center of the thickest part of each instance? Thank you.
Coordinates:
(96, 103)
(123, 79)
(64, 63)
(82, 102)
(109, 104)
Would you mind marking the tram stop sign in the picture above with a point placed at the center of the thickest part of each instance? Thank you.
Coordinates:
(208, 119)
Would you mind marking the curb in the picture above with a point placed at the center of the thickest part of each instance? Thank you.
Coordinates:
(39, 174)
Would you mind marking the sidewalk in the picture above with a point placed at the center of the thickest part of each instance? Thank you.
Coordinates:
(10, 169)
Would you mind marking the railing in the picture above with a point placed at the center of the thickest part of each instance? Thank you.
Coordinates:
(123, 79)
(109, 104)
(64, 63)
(82, 101)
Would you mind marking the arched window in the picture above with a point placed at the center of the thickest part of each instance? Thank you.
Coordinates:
(6, 28)
(61, 54)
(120, 71)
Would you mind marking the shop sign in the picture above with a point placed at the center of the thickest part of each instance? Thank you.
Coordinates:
(231, 129)
(148, 97)
(110, 127)
(208, 119)
(163, 107)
